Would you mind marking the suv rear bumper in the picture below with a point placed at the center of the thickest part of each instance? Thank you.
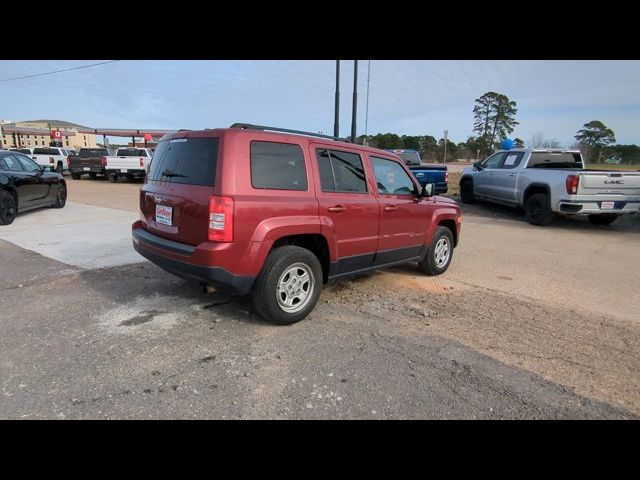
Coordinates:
(150, 246)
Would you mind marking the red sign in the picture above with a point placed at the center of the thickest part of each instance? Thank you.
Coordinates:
(57, 134)
(147, 137)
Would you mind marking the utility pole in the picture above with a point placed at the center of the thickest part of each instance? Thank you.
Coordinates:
(366, 116)
(355, 101)
(336, 122)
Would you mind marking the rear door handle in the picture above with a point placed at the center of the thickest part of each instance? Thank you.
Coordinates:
(390, 208)
(337, 208)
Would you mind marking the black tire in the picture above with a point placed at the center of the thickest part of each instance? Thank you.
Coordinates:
(603, 218)
(8, 208)
(93, 176)
(265, 291)
(537, 209)
(59, 168)
(466, 191)
(76, 176)
(431, 264)
(113, 177)
(61, 196)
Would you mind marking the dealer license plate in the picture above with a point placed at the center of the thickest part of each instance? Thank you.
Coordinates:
(607, 205)
(86, 168)
(123, 170)
(164, 214)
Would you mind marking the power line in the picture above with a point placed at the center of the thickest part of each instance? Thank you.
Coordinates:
(58, 71)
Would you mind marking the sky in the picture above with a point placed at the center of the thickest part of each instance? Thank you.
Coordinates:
(405, 97)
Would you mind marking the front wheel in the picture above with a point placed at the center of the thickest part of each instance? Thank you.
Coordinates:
(93, 176)
(113, 177)
(8, 208)
(603, 218)
(288, 286)
(61, 196)
(466, 191)
(439, 254)
(59, 168)
(537, 209)
(76, 176)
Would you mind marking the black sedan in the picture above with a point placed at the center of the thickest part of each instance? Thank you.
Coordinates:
(25, 185)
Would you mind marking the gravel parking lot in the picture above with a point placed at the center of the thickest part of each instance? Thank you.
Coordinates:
(528, 322)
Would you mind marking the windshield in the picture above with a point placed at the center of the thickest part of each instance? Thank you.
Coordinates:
(555, 160)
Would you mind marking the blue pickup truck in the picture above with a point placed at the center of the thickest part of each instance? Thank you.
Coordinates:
(424, 172)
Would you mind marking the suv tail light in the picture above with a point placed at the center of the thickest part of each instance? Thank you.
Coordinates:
(51, 160)
(141, 162)
(572, 184)
(221, 219)
(103, 161)
(68, 162)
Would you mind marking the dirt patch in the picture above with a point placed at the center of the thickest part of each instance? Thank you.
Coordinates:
(595, 356)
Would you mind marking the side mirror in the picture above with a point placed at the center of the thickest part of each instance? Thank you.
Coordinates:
(45, 168)
(477, 166)
(427, 190)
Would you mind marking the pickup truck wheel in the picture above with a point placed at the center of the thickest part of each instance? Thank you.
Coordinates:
(59, 168)
(288, 286)
(113, 178)
(8, 208)
(537, 209)
(61, 197)
(93, 176)
(603, 218)
(466, 191)
(76, 176)
(439, 254)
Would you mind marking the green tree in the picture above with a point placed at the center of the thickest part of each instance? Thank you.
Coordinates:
(428, 147)
(595, 136)
(518, 143)
(494, 118)
(411, 142)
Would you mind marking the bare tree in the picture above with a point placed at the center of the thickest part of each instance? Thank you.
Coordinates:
(538, 141)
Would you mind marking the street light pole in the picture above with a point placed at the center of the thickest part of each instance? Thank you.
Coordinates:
(366, 116)
(444, 157)
(355, 101)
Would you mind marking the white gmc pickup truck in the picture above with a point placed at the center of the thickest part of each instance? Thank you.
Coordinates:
(546, 182)
(128, 162)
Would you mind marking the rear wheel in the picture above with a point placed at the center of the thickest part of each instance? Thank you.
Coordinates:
(113, 178)
(76, 176)
(439, 254)
(8, 208)
(603, 218)
(537, 209)
(466, 191)
(59, 168)
(288, 286)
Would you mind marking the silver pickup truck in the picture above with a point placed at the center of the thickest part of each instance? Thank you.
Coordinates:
(546, 182)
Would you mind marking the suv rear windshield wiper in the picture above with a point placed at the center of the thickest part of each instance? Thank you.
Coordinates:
(169, 173)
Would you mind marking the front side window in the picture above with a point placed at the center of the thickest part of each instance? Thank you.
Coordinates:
(494, 161)
(340, 171)
(27, 164)
(391, 177)
(278, 166)
(512, 160)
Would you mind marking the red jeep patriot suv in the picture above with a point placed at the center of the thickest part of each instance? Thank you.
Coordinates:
(277, 213)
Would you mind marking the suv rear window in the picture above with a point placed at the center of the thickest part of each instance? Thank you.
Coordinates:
(46, 151)
(185, 160)
(278, 166)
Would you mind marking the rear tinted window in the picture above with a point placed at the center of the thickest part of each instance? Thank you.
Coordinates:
(46, 151)
(93, 152)
(278, 166)
(555, 160)
(185, 160)
(340, 171)
(410, 158)
(131, 152)
(21, 150)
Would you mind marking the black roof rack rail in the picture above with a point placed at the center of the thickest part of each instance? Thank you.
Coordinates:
(249, 126)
